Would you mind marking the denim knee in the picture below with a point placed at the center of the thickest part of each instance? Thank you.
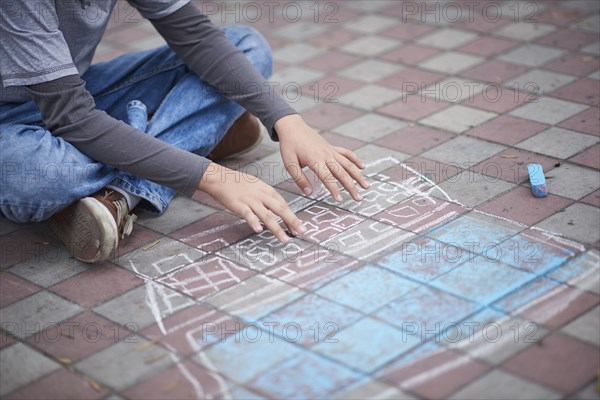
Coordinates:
(254, 46)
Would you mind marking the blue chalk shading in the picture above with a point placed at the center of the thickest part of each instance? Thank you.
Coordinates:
(525, 294)
(527, 253)
(426, 310)
(137, 115)
(582, 264)
(242, 358)
(367, 288)
(482, 318)
(471, 233)
(307, 376)
(317, 317)
(426, 260)
(537, 180)
(482, 281)
(368, 344)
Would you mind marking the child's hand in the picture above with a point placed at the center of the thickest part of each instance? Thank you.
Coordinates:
(302, 147)
(250, 198)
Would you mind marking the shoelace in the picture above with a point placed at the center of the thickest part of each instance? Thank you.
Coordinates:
(124, 219)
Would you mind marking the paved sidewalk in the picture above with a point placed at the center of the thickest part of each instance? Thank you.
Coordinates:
(450, 280)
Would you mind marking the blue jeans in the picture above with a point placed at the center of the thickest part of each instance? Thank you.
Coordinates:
(42, 174)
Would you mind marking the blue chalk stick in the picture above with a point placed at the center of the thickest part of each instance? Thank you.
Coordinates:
(537, 180)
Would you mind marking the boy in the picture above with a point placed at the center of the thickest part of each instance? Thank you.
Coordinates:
(67, 155)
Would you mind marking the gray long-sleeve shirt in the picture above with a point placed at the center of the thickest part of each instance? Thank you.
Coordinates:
(45, 49)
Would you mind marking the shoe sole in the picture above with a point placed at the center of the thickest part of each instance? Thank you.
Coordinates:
(87, 227)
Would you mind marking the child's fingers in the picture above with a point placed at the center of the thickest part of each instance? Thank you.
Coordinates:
(347, 182)
(353, 170)
(325, 175)
(295, 171)
(269, 221)
(250, 217)
(350, 155)
(280, 208)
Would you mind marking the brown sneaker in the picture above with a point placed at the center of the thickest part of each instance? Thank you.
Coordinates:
(243, 136)
(92, 226)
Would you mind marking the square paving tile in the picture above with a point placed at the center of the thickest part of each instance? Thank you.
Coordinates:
(304, 377)
(161, 258)
(329, 115)
(539, 82)
(532, 55)
(420, 213)
(558, 142)
(454, 90)
(370, 127)
(61, 384)
(367, 288)
(296, 52)
(520, 205)
(474, 231)
(457, 118)
(30, 242)
(446, 38)
(506, 130)
(378, 158)
(578, 222)
(185, 380)
(524, 31)
(311, 320)
(587, 122)
(414, 139)
(206, 277)
(463, 150)
(548, 110)
(561, 363)
(407, 30)
(255, 297)
(499, 100)
(370, 97)
(501, 384)
(108, 366)
(578, 64)
(371, 23)
(13, 288)
(451, 62)
(181, 212)
(370, 45)
(582, 91)
(572, 181)
(296, 74)
(368, 240)
(410, 54)
(511, 165)
(331, 61)
(482, 280)
(581, 272)
(25, 366)
(488, 46)
(471, 189)
(437, 375)
(140, 307)
(592, 199)
(421, 173)
(370, 70)
(97, 285)
(78, 337)
(494, 71)
(386, 343)
(36, 312)
(410, 80)
(585, 327)
(571, 39)
(589, 158)
(413, 107)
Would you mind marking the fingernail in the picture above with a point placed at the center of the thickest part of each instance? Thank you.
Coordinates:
(338, 197)
(359, 196)
(302, 229)
(367, 185)
(307, 191)
(285, 240)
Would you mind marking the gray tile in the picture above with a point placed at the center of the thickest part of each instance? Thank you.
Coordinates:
(539, 81)
(446, 38)
(377, 158)
(295, 53)
(582, 272)
(51, 267)
(299, 31)
(124, 364)
(532, 55)
(255, 297)
(592, 48)
(367, 5)
(370, 127)
(588, 393)
(370, 97)
(472, 189)
(300, 103)
(548, 110)
(142, 306)
(458, 118)
(520, 334)
(20, 365)
(181, 212)
(368, 240)
(581, 5)
(578, 222)
(586, 327)
(34, 313)
(371, 389)
(371, 23)
(572, 181)
(454, 90)
(370, 70)
(451, 62)
(594, 75)
(590, 24)
(464, 151)
(499, 384)
(370, 45)
(558, 142)
(297, 75)
(161, 258)
(524, 31)
(270, 169)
